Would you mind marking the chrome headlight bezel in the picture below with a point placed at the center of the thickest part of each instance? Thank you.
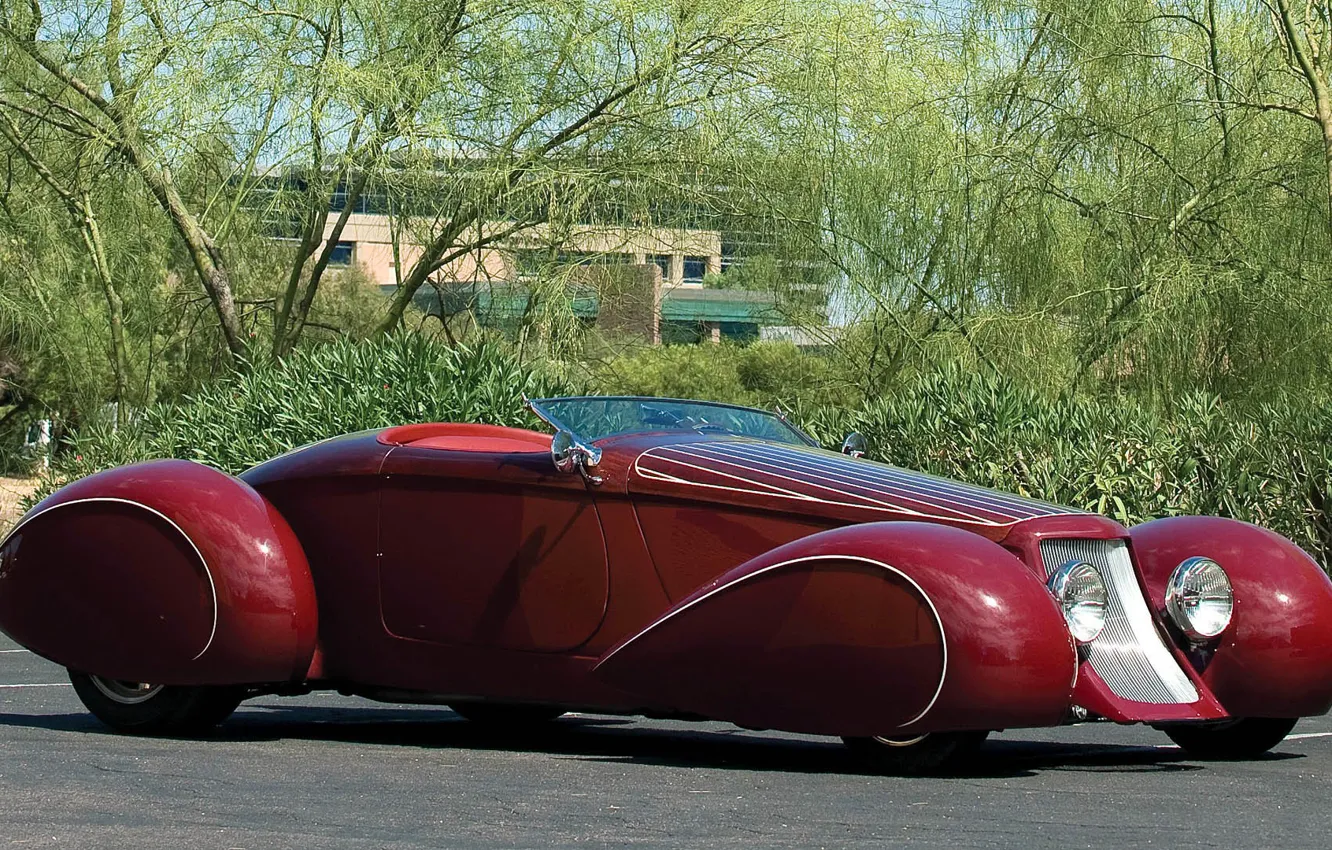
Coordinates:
(1083, 598)
(1196, 582)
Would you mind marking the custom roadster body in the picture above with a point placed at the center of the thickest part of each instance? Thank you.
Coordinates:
(667, 558)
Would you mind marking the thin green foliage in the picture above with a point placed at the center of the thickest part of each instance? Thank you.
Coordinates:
(1116, 457)
(332, 389)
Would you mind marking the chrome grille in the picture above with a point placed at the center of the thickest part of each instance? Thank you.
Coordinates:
(1129, 655)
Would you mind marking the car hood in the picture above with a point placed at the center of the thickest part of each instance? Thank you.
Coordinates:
(811, 481)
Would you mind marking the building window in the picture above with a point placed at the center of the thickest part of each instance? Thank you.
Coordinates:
(728, 258)
(740, 331)
(663, 262)
(342, 254)
(695, 268)
(367, 201)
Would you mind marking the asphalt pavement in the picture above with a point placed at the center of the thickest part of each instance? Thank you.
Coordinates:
(326, 771)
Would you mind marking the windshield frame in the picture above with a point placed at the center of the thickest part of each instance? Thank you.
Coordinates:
(538, 407)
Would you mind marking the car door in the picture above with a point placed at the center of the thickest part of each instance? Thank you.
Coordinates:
(489, 549)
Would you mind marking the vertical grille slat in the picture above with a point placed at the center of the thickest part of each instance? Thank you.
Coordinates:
(1129, 655)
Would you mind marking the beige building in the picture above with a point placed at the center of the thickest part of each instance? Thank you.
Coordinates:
(684, 256)
(663, 269)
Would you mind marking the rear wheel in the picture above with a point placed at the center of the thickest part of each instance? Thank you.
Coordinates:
(506, 715)
(911, 755)
(145, 709)
(1245, 738)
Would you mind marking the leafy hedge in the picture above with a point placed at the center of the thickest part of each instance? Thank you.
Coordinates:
(1112, 456)
(327, 390)
(761, 374)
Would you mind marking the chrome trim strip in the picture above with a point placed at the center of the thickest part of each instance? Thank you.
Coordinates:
(945, 500)
(653, 475)
(943, 636)
(1129, 655)
(884, 475)
(775, 490)
(212, 586)
(902, 492)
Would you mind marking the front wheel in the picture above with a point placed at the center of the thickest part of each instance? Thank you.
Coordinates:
(1245, 738)
(917, 754)
(143, 709)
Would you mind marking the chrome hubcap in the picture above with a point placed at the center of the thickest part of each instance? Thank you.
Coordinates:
(901, 742)
(125, 693)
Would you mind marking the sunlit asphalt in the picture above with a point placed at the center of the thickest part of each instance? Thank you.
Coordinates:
(337, 772)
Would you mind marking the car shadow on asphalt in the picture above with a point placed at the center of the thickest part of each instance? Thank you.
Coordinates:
(624, 740)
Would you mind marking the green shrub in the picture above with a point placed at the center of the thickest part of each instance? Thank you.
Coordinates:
(1113, 455)
(762, 374)
(326, 390)
(675, 371)
(1108, 455)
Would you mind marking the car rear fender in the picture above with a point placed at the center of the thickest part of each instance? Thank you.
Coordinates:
(1275, 657)
(879, 629)
(167, 572)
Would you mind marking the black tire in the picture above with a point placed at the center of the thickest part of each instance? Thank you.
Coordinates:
(935, 752)
(1246, 738)
(142, 709)
(503, 715)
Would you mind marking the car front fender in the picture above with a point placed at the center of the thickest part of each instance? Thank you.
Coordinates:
(1275, 657)
(891, 628)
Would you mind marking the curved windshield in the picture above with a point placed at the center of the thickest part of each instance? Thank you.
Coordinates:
(594, 417)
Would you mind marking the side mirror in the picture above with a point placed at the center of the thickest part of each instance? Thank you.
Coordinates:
(855, 445)
(570, 454)
(562, 451)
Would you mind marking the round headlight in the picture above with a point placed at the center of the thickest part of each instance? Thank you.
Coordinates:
(1080, 591)
(1199, 598)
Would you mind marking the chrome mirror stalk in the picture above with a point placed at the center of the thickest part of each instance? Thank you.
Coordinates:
(571, 454)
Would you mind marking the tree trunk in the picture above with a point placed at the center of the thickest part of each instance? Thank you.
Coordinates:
(296, 322)
(204, 254)
(421, 271)
(314, 231)
(1303, 50)
(115, 308)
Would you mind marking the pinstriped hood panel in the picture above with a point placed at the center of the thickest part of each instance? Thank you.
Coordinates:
(807, 476)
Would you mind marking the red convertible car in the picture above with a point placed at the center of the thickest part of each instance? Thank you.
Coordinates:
(665, 558)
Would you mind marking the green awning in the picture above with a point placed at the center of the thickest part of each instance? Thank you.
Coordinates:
(498, 302)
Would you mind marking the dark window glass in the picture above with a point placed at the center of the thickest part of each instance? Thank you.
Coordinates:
(728, 257)
(695, 268)
(595, 417)
(342, 254)
(663, 262)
